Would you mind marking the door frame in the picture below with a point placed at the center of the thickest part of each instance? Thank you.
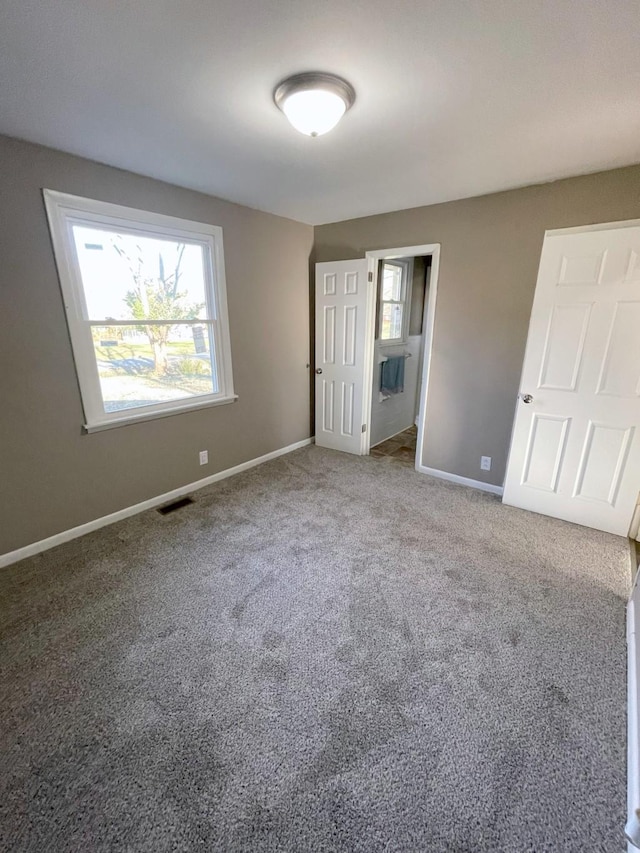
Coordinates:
(428, 324)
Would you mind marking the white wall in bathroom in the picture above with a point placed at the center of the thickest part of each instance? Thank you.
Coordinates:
(399, 411)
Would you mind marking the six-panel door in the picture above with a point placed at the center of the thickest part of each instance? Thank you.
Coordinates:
(575, 450)
(341, 304)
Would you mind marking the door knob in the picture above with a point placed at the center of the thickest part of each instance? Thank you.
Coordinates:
(318, 370)
(527, 398)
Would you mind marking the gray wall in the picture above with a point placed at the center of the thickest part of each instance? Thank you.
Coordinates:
(417, 296)
(488, 265)
(52, 477)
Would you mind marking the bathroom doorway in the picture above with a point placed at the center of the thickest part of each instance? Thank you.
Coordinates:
(400, 353)
(350, 313)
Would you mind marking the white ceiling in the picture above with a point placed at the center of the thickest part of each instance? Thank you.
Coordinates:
(454, 98)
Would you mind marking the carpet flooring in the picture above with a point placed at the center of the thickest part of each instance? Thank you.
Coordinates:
(325, 653)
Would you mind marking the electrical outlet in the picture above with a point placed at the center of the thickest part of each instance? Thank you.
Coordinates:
(485, 463)
(204, 457)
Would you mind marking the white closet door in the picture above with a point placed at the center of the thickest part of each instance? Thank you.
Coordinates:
(575, 451)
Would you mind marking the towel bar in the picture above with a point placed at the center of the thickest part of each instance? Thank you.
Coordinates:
(386, 357)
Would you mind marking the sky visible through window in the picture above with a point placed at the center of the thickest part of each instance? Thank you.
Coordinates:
(144, 363)
(392, 307)
(107, 275)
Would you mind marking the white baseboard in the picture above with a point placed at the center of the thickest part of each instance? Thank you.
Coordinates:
(462, 481)
(96, 524)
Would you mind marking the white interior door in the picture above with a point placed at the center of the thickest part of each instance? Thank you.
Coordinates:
(575, 450)
(341, 325)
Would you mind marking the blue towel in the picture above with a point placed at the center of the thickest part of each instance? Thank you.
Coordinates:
(392, 375)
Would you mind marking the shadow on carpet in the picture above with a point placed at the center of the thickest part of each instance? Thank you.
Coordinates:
(325, 653)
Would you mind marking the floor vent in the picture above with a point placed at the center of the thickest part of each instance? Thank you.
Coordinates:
(174, 505)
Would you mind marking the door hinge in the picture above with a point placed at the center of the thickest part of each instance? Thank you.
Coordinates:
(370, 276)
(364, 427)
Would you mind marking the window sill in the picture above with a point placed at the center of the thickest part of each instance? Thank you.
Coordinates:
(151, 416)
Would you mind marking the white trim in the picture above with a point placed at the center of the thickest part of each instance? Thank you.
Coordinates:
(634, 527)
(404, 252)
(369, 350)
(461, 481)
(428, 325)
(145, 415)
(64, 211)
(96, 524)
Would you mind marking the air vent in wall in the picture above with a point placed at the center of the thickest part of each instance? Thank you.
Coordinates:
(174, 505)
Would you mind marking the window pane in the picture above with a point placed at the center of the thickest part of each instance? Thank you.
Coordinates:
(128, 277)
(142, 365)
(391, 322)
(391, 283)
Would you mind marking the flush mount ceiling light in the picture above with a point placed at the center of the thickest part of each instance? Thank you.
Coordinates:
(314, 102)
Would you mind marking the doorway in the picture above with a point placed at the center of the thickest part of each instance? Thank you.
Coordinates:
(402, 285)
(346, 300)
(417, 321)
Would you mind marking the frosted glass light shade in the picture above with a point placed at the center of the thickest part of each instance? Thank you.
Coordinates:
(314, 111)
(314, 102)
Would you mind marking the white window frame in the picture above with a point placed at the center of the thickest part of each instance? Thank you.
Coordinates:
(64, 211)
(406, 287)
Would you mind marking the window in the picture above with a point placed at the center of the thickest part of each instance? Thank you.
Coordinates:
(395, 297)
(146, 306)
